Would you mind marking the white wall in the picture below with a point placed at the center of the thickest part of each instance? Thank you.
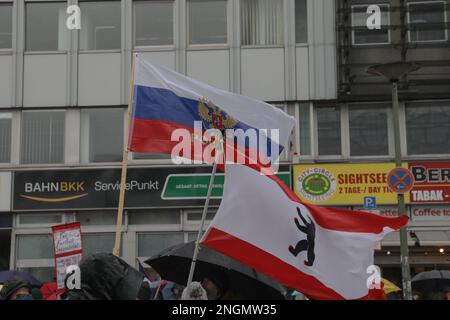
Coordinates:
(210, 66)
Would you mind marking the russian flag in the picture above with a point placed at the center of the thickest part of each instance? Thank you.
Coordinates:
(164, 101)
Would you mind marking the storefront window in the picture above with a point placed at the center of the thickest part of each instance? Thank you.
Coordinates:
(35, 246)
(5, 136)
(428, 129)
(95, 218)
(160, 216)
(101, 25)
(152, 243)
(153, 23)
(97, 243)
(364, 35)
(329, 131)
(262, 22)
(101, 135)
(46, 26)
(207, 21)
(42, 137)
(368, 131)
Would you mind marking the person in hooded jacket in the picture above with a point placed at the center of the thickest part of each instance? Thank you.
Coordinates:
(16, 289)
(106, 277)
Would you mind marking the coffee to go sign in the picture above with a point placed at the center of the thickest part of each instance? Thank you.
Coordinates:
(349, 184)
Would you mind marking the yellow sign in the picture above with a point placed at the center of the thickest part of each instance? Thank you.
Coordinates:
(344, 184)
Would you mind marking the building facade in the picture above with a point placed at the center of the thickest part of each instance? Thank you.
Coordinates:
(63, 97)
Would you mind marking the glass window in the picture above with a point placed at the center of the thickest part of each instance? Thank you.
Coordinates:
(95, 218)
(207, 21)
(153, 23)
(46, 26)
(100, 25)
(428, 129)
(262, 22)
(368, 131)
(427, 21)
(197, 216)
(161, 216)
(44, 274)
(101, 135)
(364, 35)
(40, 219)
(152, 243)
(329, 131)
(42, 137)
(5, 137)
(5, 26)
(98, 242)
(35, 246)
(305, 132)
(301, 21)
(150, 156)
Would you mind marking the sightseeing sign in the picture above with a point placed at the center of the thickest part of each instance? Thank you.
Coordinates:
(344, 184)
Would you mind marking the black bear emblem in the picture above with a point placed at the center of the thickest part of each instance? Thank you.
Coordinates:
(310, 230)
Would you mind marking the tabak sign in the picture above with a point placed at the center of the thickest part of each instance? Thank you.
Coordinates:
(432, 182)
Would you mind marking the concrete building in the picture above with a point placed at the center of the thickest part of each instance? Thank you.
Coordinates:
(63, 96)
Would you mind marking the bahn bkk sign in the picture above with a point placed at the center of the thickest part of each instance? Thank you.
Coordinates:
(153, 187)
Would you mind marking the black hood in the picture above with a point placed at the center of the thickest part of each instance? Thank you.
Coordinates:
(107, 277)
(12, 285)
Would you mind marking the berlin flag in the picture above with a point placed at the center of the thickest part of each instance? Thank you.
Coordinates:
(322, 252)
(164, 101)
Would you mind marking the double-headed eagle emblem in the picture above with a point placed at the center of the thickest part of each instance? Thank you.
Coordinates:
(213, 117)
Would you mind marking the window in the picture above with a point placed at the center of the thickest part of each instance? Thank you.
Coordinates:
(101, 135)
(98, 242)
(427, 21)
(152, 243)
(160, 216)
(368, 131)
(428, 129)
(96, 218)
(262, 22)
(305, 132)
(301, 21)
(40, 219)
(364, 35)
(100, 25)
(5, 26)
(329, 131)
(5, 137)
(46, 26)
(42, 137)
(153, 23)
(207, 21)
(34, 246)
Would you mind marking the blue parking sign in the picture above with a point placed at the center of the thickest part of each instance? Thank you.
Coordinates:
(370, 202)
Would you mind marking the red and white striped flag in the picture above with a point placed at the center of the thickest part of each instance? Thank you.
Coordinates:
(321, 252)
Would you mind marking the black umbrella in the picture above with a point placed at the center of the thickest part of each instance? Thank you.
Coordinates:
(243, 282)
(431, 281)
(10, 274)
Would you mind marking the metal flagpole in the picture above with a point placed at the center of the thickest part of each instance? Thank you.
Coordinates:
(123, 178)
(219, 151)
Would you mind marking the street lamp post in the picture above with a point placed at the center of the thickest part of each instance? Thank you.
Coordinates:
(393, 72)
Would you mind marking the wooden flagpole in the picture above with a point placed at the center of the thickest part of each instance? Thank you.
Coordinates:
(123, 178)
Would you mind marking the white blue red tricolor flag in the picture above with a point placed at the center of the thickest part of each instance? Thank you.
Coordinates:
(164, 101)
(322, 252)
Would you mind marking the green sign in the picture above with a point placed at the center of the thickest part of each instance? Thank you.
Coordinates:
(195, 186)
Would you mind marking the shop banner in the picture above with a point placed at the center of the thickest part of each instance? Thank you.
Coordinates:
(155, 187)
(67, 249)
(432, 182)
(430, 213)
(5, 191)
(344, 184)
